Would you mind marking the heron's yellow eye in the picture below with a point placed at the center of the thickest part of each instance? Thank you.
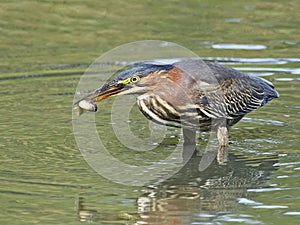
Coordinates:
(134, 79)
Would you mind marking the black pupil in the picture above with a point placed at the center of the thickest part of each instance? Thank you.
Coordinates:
(134, 79)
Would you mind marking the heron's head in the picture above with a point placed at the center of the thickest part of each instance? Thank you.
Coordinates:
(137, 79)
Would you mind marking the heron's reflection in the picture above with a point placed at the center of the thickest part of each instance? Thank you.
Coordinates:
(192, 196)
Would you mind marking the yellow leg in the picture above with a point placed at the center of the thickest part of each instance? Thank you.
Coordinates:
(222, 135)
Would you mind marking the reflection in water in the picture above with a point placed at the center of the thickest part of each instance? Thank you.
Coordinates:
(193, 196)
(84, 215)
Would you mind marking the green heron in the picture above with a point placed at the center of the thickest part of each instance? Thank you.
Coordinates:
(191, 94)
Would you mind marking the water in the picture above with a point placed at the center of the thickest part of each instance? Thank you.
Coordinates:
(44, 177)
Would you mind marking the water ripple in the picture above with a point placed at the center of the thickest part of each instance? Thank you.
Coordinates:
(274, 61)
(292, 213)
(239, 46)
(286, 164)
(267, 189)
(246, 201)
(287, 79)
(262, 121)
(270, 207)
(238, 218)
(294, 71)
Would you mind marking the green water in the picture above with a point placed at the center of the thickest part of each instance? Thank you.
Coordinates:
(46, 47)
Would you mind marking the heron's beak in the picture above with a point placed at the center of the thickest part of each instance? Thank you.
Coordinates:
(107, 91)
(110, 89)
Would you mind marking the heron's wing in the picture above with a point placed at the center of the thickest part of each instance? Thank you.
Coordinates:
(235, 95)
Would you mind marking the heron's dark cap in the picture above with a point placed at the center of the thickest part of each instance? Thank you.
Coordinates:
(141, 70)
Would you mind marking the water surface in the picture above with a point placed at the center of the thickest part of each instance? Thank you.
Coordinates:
(47, 45)
(44, 178)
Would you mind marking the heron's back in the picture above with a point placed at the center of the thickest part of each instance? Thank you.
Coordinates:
(225, 93)
(216, 93)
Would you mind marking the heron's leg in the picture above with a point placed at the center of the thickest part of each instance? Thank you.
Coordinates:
(189, 143)
(222, 135)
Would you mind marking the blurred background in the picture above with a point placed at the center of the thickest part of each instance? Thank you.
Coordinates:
(45, 48)
(45, 34)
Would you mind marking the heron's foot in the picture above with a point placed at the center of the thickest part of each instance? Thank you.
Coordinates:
(222, 156)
